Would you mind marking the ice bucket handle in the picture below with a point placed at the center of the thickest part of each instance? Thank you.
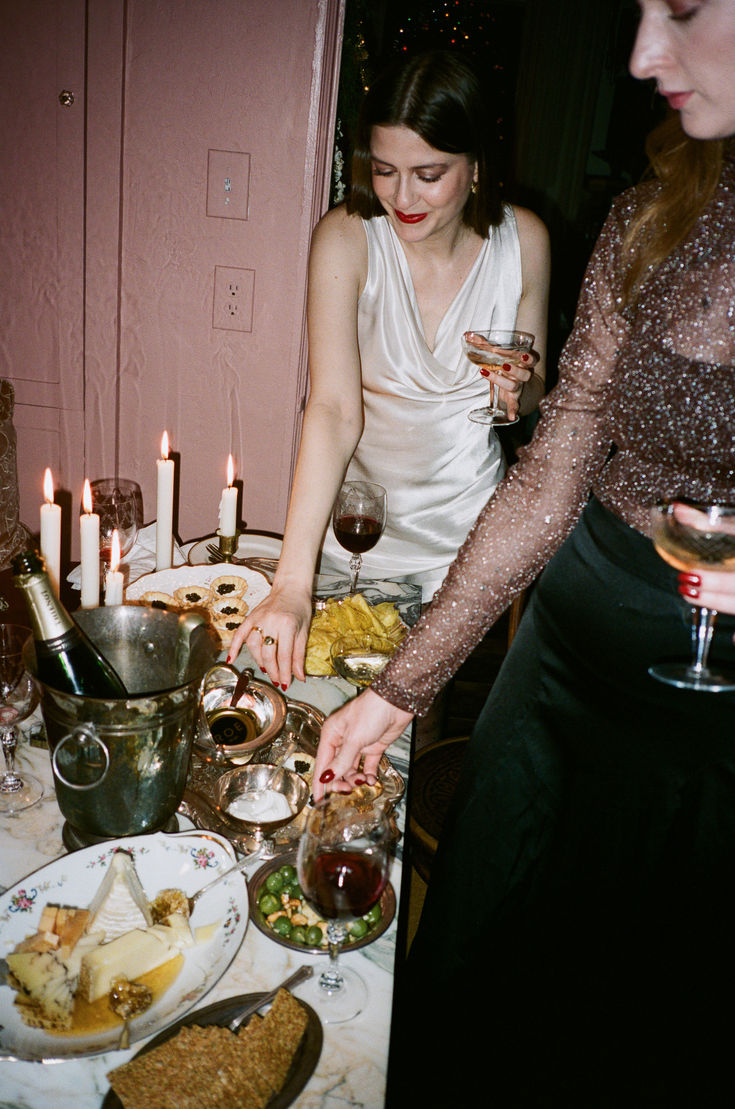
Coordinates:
(84, 755)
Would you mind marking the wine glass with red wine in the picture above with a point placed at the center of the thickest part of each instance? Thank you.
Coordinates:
(343, 864)
(358, 519)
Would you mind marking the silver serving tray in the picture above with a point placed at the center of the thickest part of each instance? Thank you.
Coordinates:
(295, 744)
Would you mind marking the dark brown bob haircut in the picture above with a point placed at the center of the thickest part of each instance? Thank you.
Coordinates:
(437, 95)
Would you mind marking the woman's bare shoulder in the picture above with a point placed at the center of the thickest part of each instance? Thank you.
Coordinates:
(531, 228)
(339, 241)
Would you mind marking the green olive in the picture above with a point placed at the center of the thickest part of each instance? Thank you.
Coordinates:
(358, 929)
(274, 882)
(269, 904)
(314, 936)
(282, 925)
(298, 934)
(374, 916)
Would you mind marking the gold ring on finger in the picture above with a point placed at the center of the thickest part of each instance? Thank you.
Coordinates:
(268, 640)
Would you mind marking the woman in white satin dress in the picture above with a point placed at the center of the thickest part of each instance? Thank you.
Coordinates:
(423, 251)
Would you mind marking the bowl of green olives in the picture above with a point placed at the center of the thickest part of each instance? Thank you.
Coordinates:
(279, 909)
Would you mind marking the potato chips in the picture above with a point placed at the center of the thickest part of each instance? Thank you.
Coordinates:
(350, 614)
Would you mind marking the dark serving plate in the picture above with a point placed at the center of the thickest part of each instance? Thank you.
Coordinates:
(387, 904)
(221, 1013)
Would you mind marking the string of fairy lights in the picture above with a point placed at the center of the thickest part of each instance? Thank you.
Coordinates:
(375, 31)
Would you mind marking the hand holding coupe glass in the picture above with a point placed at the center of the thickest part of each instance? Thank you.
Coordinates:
(497, 352)
(694, 538)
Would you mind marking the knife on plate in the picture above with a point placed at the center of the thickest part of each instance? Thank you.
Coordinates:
(300, 975)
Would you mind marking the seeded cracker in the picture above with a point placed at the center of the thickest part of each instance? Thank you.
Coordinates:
(211, 1066)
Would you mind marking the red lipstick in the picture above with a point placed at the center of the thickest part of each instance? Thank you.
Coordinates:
(409, 219)
(677, 100)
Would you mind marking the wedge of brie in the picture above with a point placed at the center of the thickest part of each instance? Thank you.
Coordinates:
(120, 905)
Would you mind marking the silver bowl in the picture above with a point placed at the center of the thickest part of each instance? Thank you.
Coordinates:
(232, 733)
(259, 776)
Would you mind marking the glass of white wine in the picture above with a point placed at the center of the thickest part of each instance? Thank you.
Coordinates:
(489, 351)
(694, 537)
(358, 657)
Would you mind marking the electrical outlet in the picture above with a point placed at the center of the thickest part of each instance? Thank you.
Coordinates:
(234, 291)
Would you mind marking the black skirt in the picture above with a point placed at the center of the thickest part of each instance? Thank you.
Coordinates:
(577, 945)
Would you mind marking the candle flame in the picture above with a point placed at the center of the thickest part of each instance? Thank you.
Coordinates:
(48, 486)
(230, 471)
(164, 445)
(87, 496)
(115, 551)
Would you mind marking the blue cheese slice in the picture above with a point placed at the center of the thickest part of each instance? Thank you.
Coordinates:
(120, 905)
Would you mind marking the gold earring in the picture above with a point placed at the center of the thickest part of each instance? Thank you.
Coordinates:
(473, 188)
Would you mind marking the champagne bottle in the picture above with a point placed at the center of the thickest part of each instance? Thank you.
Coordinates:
(66, 658)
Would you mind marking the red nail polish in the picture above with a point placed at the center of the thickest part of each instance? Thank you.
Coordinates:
(506, 366)
(284, 686)
(689, 591)
(485, 373)
(326, 776)
(359, 781)
(525, 357)
(690, 579)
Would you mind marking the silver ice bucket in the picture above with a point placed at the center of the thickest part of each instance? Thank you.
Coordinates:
(120, 766)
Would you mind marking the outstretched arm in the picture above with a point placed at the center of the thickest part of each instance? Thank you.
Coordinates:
(276, 631)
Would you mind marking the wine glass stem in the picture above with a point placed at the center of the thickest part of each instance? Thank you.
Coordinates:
(355, 564)
(703, 622)
(495, 392)
(331, 979)
(9, 781)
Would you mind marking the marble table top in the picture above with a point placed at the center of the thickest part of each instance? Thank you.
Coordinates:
(352, 1068)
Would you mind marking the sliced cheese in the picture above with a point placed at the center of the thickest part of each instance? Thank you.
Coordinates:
(130, 956)
(120, 905)
(47, 982)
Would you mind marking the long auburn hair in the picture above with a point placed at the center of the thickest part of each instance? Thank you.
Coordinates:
(438, 95)
(688, 171)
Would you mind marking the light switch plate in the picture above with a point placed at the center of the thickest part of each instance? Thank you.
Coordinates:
(228, 184)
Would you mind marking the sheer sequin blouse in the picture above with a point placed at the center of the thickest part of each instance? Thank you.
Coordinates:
(644, 410)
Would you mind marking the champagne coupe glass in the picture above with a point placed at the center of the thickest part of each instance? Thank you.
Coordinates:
(119, 504)
(694, 537)
(358, 657)
(488, 350)
(343, 864)
(18, 699)
(358, 519)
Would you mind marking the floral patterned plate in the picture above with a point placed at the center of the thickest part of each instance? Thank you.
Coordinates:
(187, 861)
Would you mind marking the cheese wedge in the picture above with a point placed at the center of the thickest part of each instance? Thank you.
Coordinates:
(130, 956)
(48, 981)
(120, 905)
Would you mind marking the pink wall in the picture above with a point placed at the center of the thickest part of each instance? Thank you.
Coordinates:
(109, 263)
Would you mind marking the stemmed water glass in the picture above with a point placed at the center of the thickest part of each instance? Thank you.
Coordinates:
(694, 537)
(489, 350)
(358, 520)
(18, 699)
(119, 504)
(343, 864)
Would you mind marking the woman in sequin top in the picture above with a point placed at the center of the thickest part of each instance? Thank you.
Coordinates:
(585, 877)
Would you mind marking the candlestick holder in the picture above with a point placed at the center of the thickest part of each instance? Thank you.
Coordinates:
(227, 545)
